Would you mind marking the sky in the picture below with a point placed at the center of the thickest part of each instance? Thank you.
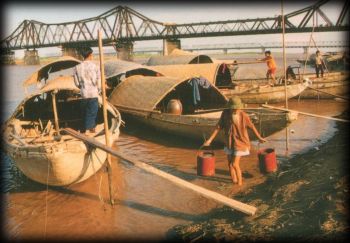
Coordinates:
(15, 13)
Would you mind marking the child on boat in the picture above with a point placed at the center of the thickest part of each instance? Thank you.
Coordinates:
(235, 122)
(271, 66)
(319, 64)
(87, 78)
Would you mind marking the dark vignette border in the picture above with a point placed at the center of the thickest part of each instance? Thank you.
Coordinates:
(3, 81)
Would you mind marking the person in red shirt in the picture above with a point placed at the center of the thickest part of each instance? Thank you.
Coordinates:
(271, 66)
(235, 124)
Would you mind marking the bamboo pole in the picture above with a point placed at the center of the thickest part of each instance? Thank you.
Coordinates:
(242, 207)
(307, 51)
(105, 118)
(54, 106)
(305, 113)
(284, 72)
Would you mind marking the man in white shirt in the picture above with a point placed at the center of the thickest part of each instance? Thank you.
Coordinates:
(87, 78)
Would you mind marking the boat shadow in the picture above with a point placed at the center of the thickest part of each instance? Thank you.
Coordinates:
(150, 134)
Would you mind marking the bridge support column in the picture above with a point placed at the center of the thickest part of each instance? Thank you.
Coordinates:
(169, 45)
(7, 57)
(125, 51)
(31, 57)
(225, 50)
(263, 49)
(305, 49)
(72, 52)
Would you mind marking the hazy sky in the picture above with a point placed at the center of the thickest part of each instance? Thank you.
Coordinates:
(171, 12)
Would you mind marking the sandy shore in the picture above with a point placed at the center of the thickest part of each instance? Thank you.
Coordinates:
(306, 199)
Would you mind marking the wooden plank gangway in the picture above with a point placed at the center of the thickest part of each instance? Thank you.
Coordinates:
(242, 207)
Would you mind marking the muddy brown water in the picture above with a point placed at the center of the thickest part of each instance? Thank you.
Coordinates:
(147, 206)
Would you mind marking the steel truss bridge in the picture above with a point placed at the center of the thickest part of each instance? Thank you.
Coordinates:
(247, 46)
(125, 25)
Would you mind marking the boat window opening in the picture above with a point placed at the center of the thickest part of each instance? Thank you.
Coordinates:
(143, 72)
(209, 99)
(39, 110)
(223, 77)
(201, 59)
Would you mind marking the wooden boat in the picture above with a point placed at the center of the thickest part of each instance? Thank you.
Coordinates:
(260, 93)
(146, 100)
(37, 147)
(331, 85)
(250, 90)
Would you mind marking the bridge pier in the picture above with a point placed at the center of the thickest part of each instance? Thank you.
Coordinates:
(7, 57)
(169, 45)
(72, 52)
(125, 50)
(305, 48)
(263, 49)
(225, 50)
(31, 57)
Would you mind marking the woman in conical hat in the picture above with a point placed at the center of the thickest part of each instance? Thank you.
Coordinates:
(235, 124)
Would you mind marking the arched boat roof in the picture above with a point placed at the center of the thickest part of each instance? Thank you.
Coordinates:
(59, 83)
(118, 67)
(62, 63)
(207, 70)
(178, 59)
(143, 92)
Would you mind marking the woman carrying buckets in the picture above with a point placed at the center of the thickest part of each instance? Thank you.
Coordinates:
(235, 124)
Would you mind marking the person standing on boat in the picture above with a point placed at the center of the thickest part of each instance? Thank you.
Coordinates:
(319, 64)
(271, 66)
(235, 124)
(87, 78)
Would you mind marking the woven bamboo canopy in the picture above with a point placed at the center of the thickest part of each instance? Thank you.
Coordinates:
(118, 67)
(55, 66)
(178, 59)
(213, 72)
(146, 93)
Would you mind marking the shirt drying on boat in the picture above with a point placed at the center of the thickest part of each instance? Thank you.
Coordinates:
(235, 129)
(195, 83)
(87, 78)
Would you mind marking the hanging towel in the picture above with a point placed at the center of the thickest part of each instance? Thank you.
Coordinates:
(195, 83)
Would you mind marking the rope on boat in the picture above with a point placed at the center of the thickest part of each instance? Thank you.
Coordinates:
(47, 192)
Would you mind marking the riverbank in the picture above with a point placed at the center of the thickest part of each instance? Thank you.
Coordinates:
(307, 199)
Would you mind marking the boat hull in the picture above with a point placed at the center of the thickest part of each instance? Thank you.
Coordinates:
(266, 94)
(332, 83)
(200, 127)
(59, 164)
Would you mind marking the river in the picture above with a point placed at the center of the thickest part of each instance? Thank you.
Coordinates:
(147, 207)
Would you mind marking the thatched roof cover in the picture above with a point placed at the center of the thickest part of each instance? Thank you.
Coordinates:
(55, 66)
(143, 92)
(180, 52)
(178, 59)
(208, 71)
(60, 83)
(118, 67)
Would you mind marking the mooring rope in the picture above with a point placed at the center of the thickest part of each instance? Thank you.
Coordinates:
(46, 196)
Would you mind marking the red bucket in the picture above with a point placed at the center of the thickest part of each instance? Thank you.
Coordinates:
(267, 160)
(206, 163)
